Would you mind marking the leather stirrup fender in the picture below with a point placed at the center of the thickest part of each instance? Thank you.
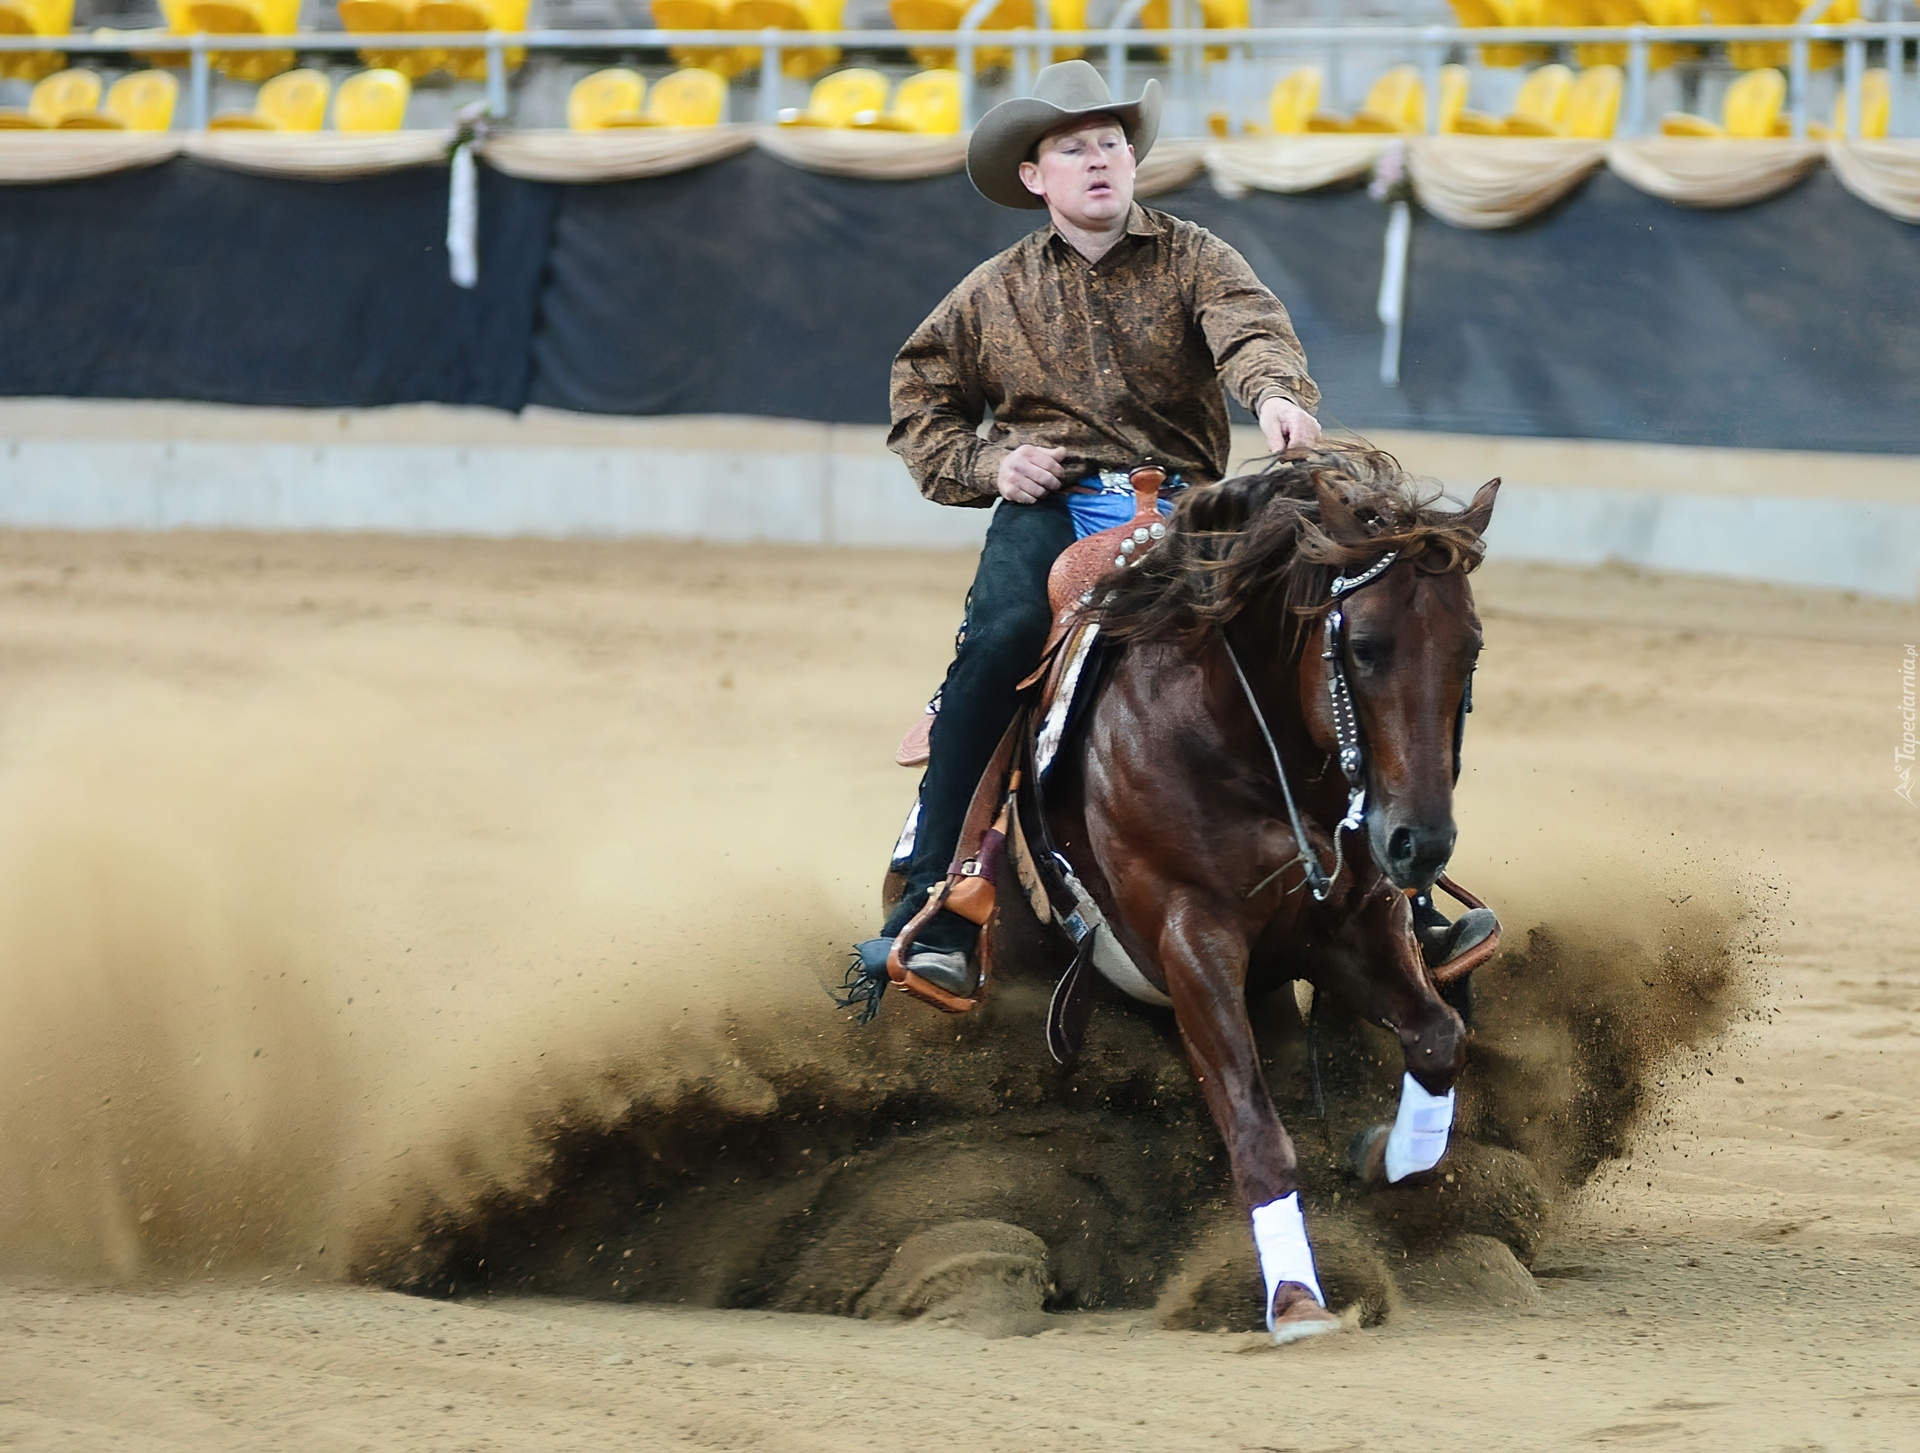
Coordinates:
(968, 888)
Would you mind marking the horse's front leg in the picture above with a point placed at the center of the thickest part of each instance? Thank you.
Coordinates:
(1378, 970)
(1203, 952)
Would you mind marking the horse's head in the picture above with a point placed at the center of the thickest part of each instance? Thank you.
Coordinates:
(1405, 644)
(1260, 555)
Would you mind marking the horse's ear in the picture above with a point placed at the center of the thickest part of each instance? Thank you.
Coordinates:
(1479, 514)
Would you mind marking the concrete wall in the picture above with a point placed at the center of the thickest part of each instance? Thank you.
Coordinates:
(1848, 522)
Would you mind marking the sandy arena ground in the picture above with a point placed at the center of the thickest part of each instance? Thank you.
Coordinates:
(330, 866)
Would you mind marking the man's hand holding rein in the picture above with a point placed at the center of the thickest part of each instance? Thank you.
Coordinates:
(1031, 473)
(1285, 424)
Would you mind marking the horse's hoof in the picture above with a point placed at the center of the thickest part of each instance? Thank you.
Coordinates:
(1367, 1156)
(1297, 1315)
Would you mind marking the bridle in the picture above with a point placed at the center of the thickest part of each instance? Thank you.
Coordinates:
(1346, 736)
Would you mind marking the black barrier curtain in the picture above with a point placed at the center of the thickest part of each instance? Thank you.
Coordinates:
(1613, 316)
(752, 287)
(184, 281)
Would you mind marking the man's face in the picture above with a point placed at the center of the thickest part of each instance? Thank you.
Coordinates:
(1085, 174)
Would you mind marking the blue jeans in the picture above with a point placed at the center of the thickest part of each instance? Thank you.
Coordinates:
(1101, 501)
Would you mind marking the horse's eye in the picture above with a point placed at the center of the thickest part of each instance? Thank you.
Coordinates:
(1365, 654)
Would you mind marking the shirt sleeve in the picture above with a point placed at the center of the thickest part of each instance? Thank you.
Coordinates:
(938, 403)
(1249, 332)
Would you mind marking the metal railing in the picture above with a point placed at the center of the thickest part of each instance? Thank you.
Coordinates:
(1186, 47)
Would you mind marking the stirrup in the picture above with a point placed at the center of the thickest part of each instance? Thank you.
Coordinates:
(950, 970)
(1479, 942)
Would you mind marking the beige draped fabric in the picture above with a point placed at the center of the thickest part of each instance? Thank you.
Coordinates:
(1711, 171)
(1883, 174)
(1497, 181)
(880, 156)
(1468, 181)
(1171, 164)
(620, 154)
(27, 157)
(1290, 163)
(317, 156)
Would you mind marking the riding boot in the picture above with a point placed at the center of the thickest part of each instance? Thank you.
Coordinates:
(1442, 939)
(1008, 616)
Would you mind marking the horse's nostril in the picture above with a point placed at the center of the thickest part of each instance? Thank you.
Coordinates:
(1400, 844)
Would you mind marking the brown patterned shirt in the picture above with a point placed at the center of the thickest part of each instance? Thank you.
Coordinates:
(1119, 361)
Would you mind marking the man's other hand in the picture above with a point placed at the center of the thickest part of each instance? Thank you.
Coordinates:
(1031, 473)
(1288, 426)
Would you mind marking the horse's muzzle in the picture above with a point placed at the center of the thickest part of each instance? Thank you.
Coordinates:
(1411, 854)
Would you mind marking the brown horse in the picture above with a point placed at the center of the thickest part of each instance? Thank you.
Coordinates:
(1226, 768)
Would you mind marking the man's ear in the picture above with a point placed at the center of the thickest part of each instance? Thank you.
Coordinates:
(1030, 178)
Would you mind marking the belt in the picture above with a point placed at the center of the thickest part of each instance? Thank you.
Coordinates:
(1114, 481)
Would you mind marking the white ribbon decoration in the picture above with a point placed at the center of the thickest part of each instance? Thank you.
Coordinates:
(463, 218)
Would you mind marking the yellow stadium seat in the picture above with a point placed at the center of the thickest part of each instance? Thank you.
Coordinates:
(927, 103)
(1546, 104)
(390, 17)
(792, 15)
(294, 101)
(1876, 110)
(1455, 82)
(1541, 107)
(1294, 99)
(1593, 106)
(687, 97)
(33, 17)
(1755, 55)
(840, 97)
(1214, 15)
(1396, 103)
(1071, 15)
(1751, 110)
(453, 15)
(238, 17)
(1504, 14)
(63, 95)
(1008, 15)
(726, 62)
(373, 100)
(605, 98)
(1589, 12)
(142, 101)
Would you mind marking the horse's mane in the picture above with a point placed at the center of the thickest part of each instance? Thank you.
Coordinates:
(1283, 533)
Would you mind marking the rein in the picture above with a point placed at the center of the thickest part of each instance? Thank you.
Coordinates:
(1346, 736)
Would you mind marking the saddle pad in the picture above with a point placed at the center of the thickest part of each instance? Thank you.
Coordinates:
(1074, 681)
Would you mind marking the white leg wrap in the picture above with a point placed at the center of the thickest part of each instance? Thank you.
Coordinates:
(1280, 1235)
(1419, 1135)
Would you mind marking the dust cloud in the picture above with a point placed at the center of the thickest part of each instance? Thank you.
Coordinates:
(444, 959)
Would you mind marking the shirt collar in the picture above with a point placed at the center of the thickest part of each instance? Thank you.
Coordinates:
(1140, 223)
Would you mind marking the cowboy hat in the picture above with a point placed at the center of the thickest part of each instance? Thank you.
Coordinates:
(1065, 92)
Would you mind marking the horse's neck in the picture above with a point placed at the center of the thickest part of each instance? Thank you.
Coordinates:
(1311, 768)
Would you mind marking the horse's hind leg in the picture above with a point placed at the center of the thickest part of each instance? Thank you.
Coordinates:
(1384, 979)
(1205, 960)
